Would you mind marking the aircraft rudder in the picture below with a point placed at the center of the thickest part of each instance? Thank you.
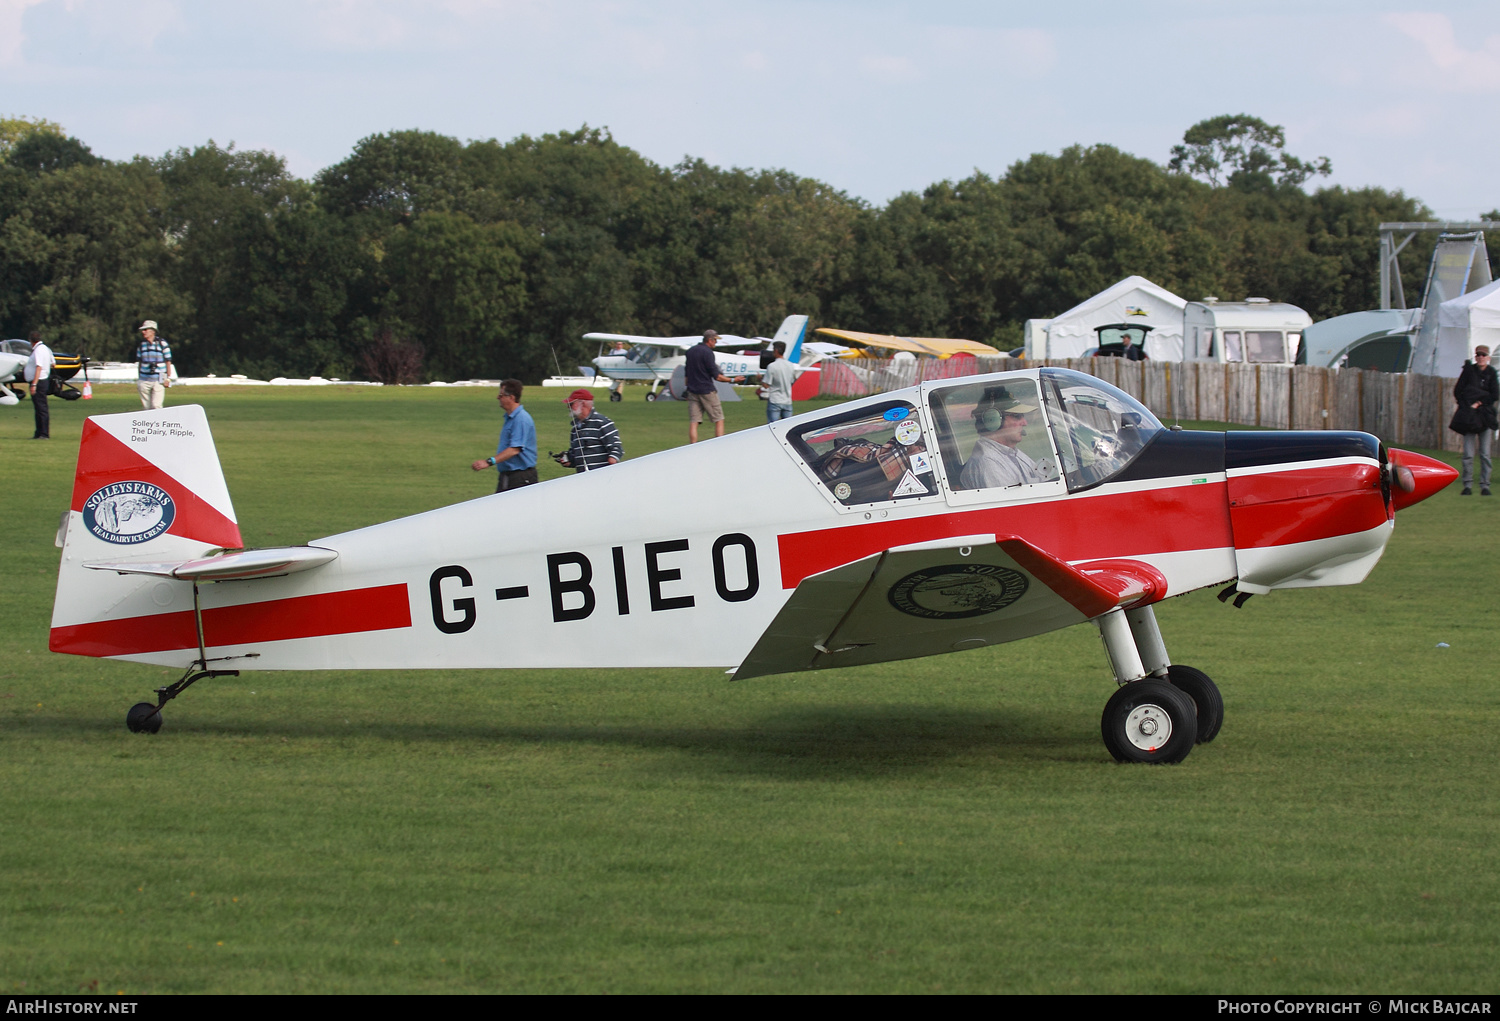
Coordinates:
(144, 474)
(148, 488)
(792, 332)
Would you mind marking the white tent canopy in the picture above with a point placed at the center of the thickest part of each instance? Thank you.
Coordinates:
(1133, 300)
(1465, 321)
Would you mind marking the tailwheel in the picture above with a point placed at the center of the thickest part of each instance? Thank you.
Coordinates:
(1198, 686)
(1149, 721)
(143, 718)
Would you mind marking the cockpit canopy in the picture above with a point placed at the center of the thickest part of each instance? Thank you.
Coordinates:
(1014, 431)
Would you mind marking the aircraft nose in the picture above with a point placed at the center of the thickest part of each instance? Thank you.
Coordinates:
(1418, 477)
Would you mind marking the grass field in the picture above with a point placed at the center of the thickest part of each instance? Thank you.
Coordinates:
(951, 824)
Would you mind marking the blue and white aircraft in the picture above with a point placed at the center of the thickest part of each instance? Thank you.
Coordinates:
(655, 358)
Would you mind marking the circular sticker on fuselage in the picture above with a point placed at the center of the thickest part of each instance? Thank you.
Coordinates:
(842, 491)
(954, 591)
(128, 513)
(908, 432)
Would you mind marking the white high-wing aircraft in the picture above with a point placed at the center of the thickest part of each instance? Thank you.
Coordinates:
(655, 358)
(949, 516)
(13, 357)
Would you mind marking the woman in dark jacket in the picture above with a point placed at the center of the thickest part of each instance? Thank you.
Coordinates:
(1476, 392)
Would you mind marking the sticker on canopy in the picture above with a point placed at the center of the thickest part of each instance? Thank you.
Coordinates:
(908, 432)
(921, 464)
(910, 487)
(896, 414)
(954, 591)
(128, 513)
(842, 491)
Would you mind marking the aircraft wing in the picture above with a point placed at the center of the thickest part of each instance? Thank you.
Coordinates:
(683, 343)
(237, 566)
(928, 598)
(937, 347)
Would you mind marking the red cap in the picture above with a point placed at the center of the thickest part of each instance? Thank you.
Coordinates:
(579, 395)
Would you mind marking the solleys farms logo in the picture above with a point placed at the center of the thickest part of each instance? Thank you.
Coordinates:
(129, 512)
(954, 591)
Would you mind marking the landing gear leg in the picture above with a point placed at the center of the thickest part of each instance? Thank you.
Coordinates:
(1147, 719)
(145, 718)
(1196, 684)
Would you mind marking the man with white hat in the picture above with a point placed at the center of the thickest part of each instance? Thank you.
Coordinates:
(996, 462)
(594, 442)
(154, 361)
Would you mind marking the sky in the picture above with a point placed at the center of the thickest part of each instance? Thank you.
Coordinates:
(874, 97)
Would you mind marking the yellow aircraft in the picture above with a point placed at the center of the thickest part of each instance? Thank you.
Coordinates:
(929, 347)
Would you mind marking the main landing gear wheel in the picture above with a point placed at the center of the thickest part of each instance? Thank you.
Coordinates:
(650, 395)
(1149, 721)
(615, 396)
(1198, 686)
(143, 718)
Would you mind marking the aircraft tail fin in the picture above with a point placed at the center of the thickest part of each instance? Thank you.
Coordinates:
(792, 332)
(148, 490)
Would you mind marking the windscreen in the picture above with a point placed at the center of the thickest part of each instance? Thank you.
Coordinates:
(1098, 428)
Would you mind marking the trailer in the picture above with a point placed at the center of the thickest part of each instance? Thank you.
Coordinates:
(1253, 331)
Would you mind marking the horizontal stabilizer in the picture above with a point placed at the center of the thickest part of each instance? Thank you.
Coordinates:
(235, 566)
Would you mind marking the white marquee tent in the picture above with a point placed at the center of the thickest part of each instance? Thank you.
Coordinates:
(1465, 321)
(1133, 300)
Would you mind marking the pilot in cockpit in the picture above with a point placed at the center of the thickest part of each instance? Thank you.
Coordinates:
(997, 461)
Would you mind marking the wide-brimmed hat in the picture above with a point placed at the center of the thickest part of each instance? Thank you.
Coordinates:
(149, 324)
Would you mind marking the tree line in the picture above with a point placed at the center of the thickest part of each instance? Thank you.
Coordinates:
(424, 257)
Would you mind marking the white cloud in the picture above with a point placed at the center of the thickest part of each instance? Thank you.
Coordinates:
(889, 68)
(360, 25)
(11, 37)
(1397, 120)
(1460, 68)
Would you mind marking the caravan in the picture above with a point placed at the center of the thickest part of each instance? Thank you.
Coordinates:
(1253, 331)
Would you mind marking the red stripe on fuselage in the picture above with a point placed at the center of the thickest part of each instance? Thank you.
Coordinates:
(277, 620)
(1087, 526)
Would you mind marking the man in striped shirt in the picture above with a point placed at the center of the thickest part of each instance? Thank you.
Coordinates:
(594, 442)
(154, 359)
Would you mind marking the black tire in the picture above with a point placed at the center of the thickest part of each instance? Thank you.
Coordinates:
(1199, 687)
(143, 718)
(1144, 712)
(615, 395)
(650, 395)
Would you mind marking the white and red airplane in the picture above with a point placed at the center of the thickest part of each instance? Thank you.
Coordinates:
(954, 515)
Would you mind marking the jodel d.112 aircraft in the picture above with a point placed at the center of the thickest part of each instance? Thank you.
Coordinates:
(954, 515)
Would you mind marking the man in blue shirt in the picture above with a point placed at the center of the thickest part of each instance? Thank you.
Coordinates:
(154, 360)
(515, 456)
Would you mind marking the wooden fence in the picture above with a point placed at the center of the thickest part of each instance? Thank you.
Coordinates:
(1403, 409)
